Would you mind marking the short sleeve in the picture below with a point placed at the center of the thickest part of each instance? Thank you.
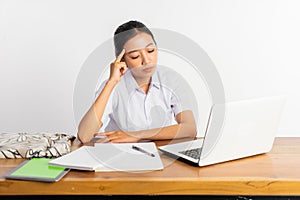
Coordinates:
(182, 97)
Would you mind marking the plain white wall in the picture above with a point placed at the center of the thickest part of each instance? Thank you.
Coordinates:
(43, 44)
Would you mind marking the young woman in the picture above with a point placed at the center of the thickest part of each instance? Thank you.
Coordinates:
(140, 100)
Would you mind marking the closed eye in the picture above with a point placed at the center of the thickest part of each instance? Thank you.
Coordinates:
(151, 50)
(135, 57)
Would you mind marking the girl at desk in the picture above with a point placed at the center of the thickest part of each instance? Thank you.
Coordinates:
(140, 100)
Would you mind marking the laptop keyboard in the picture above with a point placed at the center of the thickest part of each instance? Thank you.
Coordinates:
(193, 153)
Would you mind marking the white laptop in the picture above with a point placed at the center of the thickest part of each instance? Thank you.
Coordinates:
(246, 128)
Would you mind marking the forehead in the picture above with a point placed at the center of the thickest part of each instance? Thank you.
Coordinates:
(140, 41)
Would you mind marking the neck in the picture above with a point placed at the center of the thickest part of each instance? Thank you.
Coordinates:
(144, 84)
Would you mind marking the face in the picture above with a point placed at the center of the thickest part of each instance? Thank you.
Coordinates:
(141, 55)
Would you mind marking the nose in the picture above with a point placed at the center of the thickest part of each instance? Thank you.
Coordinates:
(145, 58)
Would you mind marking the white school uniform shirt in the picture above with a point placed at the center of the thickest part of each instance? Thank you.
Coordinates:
(129, 108)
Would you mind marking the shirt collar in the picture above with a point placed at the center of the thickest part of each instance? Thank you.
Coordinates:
(154, 80)
(130, 82)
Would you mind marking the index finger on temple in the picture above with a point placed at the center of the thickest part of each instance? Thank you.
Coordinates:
(120, 56)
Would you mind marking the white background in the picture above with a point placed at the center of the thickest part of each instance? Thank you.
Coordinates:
(43, 45)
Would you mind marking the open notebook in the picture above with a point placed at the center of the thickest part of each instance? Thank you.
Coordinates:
(112, 157)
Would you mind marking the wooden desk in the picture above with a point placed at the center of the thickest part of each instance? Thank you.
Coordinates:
(274, 173)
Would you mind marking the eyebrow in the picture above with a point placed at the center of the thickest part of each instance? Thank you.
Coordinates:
(132, 51)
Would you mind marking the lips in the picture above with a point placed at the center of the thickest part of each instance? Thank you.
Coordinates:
(148, 69)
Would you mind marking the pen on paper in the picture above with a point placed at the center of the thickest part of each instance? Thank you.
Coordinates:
(143, 151)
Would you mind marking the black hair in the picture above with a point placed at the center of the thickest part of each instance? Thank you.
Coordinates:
(127, 31)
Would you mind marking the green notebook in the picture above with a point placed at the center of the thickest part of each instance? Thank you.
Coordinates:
(37, 169)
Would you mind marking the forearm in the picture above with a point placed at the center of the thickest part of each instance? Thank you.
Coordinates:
(169, 132)
(92, 120)
(88, 126)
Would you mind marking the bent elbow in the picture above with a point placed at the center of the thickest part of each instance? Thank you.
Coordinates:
(83, 139)
(192, 131)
